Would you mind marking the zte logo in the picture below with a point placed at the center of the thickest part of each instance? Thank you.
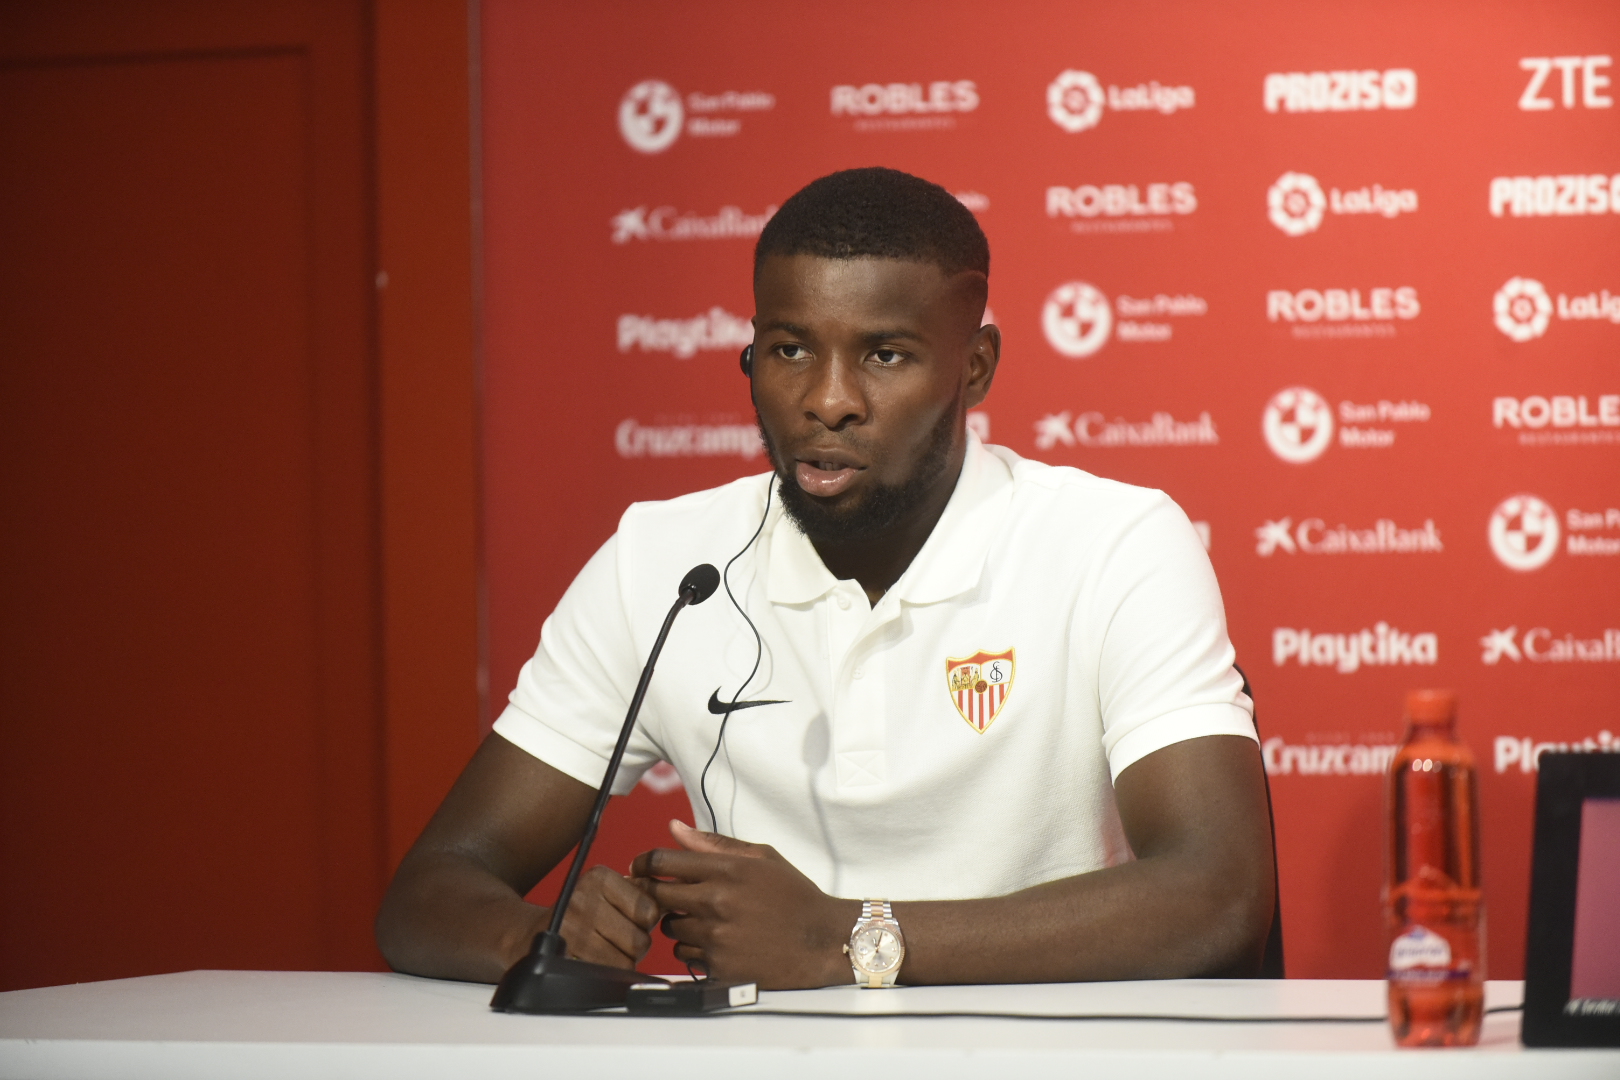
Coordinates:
(1572, 70)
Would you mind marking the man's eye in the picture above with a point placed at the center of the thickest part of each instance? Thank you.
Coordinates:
(888, 357)
(790, 351)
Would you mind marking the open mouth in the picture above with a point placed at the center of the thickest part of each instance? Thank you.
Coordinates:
(824, 479)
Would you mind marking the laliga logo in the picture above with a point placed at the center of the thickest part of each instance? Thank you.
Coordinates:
(1522, 309)
(1523, 533)
(1295, 203)
(1077, 319)
(650, 116)
(1298, 425)
(1074, 101)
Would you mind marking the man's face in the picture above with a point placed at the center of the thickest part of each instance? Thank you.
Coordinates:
(863, 372)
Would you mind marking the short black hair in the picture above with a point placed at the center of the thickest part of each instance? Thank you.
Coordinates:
(876, 213)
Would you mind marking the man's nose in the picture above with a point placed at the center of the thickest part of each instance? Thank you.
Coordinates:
(834, 396)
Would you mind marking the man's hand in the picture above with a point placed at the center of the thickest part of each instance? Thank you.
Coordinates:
(744, 913)
(610, 919)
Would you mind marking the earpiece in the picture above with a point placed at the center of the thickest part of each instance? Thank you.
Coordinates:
(746, 360)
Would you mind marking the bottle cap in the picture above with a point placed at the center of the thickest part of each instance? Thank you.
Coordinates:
(1431, 706)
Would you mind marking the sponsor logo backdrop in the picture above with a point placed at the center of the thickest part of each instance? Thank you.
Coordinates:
(1341, 279)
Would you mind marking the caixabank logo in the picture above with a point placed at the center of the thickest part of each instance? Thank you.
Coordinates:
(653, 114)
(1078, 319)
(1523, 309)
(1524, 532)
(1296, 203)
(1076, 100)
(1299, 424)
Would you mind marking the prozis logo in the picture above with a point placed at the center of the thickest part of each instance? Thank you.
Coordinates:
(905, 105)
(1340, 91)
(1313, 536)
(1343, 313)
(716, 330)
(652, 114)
(1121, 207)
(1571, 417)
(1566, 195)
(1298, 423)
(1078, 319)
(1582, 72)
(666, 223)
(1381, 645)
(1096, 430)
(1522, 309)
(1541, 646)
(1296, 204)
(1075, 99)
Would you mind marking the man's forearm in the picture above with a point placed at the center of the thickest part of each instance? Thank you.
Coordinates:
(447, 917)
(1149, 919)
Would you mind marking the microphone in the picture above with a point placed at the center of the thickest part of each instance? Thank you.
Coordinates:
(546, 980)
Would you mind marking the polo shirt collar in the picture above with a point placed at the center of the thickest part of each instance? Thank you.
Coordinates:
(951, 560)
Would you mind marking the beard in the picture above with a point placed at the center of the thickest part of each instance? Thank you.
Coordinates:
(883, 506)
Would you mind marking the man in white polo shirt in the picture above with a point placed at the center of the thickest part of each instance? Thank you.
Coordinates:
(957, 716)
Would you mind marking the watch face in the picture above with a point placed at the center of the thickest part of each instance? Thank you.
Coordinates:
(876, 950)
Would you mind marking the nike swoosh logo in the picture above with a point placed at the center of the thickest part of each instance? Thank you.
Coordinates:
(720, 708)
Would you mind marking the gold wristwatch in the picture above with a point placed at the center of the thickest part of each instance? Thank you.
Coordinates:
(876, 946)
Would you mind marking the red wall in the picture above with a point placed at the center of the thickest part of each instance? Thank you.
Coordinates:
(1439, 414)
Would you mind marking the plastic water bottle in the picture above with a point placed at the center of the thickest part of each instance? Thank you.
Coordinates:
(1432, 901)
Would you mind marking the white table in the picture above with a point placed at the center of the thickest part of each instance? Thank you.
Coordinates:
(251, 1024)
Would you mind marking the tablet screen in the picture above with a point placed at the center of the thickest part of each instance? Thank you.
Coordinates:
(1594, 977)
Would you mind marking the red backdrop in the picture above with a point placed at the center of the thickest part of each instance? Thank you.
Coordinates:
(1341, 279)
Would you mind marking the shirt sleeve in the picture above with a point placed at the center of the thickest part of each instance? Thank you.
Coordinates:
(572, 695)
(1165, 669)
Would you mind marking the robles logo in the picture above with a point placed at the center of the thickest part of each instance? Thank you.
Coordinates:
(1296, 204)
(905, 106)
(1559, 411)
(1118, 208)
(652, 114)
(1075, 100)
(1522, 309)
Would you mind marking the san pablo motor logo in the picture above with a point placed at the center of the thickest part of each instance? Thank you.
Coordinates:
(980, 684)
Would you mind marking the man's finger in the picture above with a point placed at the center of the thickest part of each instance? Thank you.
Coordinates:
(634, 902)
(676, 896)
(714, 843)
(686, 930)
(680, 865)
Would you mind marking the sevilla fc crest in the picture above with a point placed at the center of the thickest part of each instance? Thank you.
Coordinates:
(979, 685)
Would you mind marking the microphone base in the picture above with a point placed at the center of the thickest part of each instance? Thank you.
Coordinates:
(547, 981)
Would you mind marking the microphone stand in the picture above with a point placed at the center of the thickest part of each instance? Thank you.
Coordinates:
(547, 980)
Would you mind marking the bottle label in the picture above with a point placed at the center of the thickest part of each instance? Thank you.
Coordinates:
(1421, 954)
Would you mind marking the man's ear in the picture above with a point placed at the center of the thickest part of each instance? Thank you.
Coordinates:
(982, 363)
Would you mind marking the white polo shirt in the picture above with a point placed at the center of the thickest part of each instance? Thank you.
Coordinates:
(959, 738)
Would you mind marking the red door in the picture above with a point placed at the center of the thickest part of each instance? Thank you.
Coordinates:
(189, 637)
